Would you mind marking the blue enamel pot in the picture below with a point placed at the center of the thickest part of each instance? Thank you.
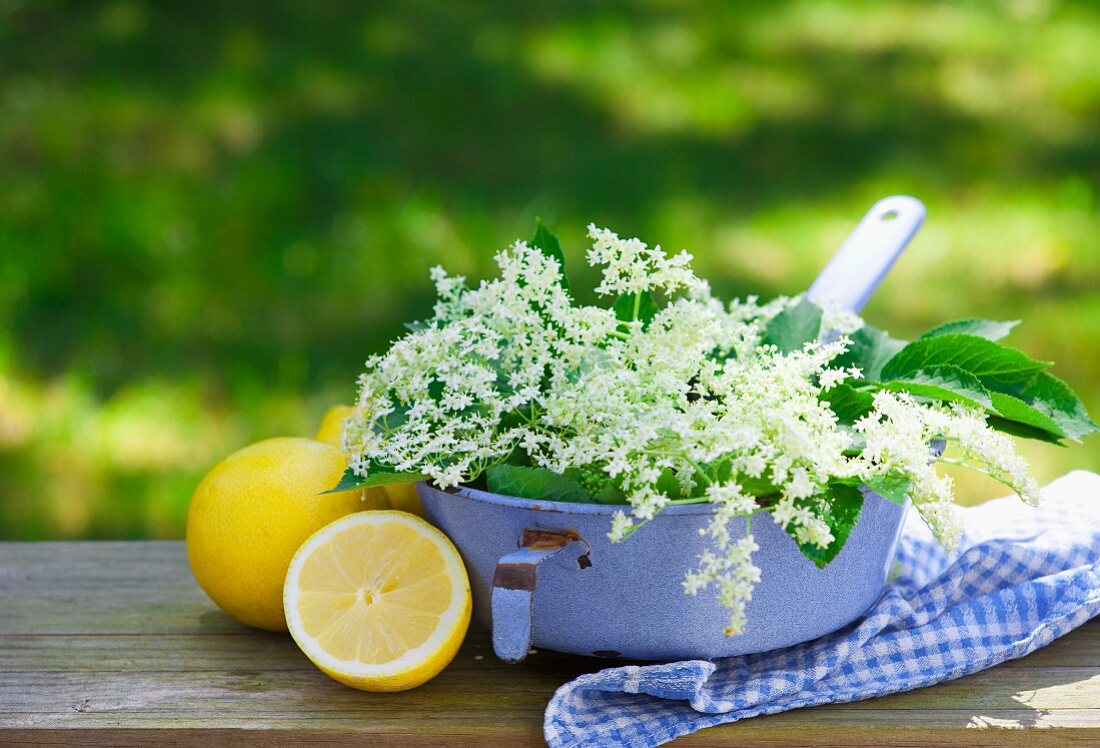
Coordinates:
(545, 575)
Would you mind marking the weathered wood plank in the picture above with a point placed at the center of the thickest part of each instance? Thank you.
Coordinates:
(285, 698)
(913, 733)
(103, 588)
(114, 642)
(242, 651)
(713, 738)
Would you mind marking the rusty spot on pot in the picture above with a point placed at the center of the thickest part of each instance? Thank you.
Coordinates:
(547, 540)
(515, 577)
(536, 539)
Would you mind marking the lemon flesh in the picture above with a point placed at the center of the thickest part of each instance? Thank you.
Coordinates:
(379, 601)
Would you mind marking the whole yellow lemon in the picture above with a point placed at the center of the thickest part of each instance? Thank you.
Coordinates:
(403, 497)
(332, 424)
(400, 496)
(330, 431)
(250, 514)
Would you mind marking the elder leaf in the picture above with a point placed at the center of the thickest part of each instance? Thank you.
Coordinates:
(1014, 409)
(998, 367)
(794, 327)
(546, 241)
(534, 483)
(848, 403)
(1022, 430)
(893, 486)
(631, 306)
(378, 475)
(840, 512)
(868, 350)
(983, 328)
(1054, 398)
(946, 382)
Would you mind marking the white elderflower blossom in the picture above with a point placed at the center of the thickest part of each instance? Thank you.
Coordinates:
(735, 574)
(632, 267)
(685, 406)
(897, 435)
(838, 321)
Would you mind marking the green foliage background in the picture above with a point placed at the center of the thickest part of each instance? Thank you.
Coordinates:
(210, 213)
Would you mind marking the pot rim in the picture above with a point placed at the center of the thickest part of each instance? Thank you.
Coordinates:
(568, 507)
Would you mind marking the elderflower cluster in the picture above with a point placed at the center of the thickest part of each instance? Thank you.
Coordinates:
(898, 432)
(688, 406)
(630, 267)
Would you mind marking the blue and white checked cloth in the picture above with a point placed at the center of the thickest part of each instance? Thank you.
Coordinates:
(1022, 578)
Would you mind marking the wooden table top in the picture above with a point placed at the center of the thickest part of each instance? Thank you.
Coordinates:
(113, 642)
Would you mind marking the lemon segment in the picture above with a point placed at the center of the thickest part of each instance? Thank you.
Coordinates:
(379, 601)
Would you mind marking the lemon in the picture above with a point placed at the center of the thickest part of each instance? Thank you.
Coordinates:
(379, 601)
(251, 513)
(404, 498)
(332, 425)
(330, 431)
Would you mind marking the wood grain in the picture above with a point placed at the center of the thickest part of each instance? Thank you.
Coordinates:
(114, 643)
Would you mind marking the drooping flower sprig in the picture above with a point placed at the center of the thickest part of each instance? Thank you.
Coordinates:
(670, 396)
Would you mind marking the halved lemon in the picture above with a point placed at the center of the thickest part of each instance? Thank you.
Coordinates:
(379, 600)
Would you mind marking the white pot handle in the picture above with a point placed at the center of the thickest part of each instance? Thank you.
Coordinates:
(866, 256)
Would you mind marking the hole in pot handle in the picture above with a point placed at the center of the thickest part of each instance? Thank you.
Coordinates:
(866, 256)
(513, 595)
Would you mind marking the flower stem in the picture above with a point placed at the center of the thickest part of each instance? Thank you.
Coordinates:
(979, 469)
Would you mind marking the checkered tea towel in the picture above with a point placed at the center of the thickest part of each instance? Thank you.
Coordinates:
(1022, 578)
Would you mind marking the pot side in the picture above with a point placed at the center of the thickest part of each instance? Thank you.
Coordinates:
(630, 603)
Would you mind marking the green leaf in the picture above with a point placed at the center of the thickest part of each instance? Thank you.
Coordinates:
(999, 367)
(893, 486)
(1053, 397)
(348, 481)
(534, 483)
(841, 512)
(668, 484)
(848, 403)
(759, 486)
(1014, 428)
(869, 349)
(945, 382)
(1014, 409)
(600, 487)
(794, 327)
(857, 445)
(983, 328)
(608, 493)
(378, 476)
(630, 306)
(392, 479)
(551, 247)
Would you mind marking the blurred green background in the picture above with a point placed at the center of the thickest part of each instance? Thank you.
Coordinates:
(211, 213)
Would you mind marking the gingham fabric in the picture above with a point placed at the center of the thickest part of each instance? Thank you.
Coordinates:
(1022, 578)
